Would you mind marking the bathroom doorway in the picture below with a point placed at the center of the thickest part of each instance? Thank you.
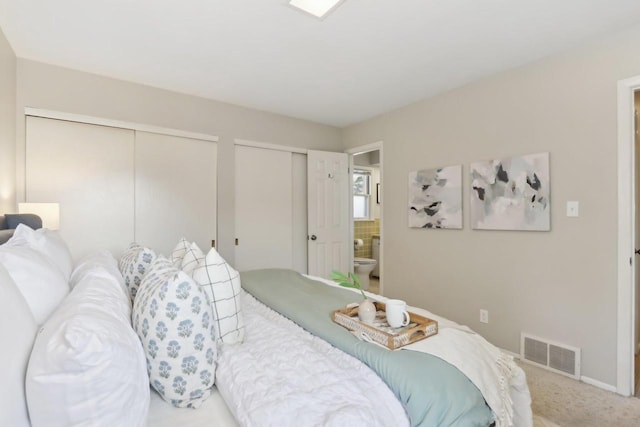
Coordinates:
(366, 212)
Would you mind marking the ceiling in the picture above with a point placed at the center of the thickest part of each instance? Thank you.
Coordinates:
(366, 58)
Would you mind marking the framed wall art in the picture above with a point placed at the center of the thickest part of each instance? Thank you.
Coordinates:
(435, 198)
(511, 193)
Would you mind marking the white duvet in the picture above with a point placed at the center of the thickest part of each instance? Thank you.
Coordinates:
(284, 376)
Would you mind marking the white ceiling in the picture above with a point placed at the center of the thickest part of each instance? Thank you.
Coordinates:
(366, 58)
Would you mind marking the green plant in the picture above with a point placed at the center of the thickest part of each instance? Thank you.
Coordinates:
(348, 281)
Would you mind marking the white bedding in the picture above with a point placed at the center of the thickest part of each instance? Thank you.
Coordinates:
(502, 383)
(284, 376)
(212, 413)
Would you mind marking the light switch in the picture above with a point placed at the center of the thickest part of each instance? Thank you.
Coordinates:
(573, 209)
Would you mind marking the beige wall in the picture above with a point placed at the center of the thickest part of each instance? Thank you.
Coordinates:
(559, 285)
(7, 125)
(55, 88)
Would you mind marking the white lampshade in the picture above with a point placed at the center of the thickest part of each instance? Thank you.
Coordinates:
(49, 212)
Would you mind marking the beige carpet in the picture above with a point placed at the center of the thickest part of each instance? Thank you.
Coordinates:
(561, 401)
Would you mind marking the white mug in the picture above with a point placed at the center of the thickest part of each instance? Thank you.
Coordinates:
(397, 314)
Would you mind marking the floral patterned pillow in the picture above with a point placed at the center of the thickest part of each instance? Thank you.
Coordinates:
(133, 264)
(173, 320)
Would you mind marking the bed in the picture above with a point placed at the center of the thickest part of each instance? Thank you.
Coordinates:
(186, 340)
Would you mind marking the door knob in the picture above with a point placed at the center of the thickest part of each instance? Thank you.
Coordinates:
(313, 237)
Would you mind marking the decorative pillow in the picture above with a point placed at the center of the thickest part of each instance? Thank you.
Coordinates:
(49, 243)
(178, 252)
(221, 283)
(133, 265)
(191, 258)
(39, 280)
(87, 366)
(173, 320)
(17, 332)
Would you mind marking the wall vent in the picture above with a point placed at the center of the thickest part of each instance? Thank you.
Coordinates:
(553, 356)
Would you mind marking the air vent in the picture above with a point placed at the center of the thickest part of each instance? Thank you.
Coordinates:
(553, 356)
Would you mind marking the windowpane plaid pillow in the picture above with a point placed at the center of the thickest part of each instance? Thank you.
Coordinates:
(177, 254)
(221, 284)
(192, 258)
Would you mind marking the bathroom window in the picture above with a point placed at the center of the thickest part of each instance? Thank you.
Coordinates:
(361, 193)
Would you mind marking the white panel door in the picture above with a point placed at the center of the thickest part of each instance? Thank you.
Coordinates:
(329, 213)
(175, 182)
(263, 205)
(88, 169)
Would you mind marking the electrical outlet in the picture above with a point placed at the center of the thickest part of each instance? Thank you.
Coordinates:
(484, 316)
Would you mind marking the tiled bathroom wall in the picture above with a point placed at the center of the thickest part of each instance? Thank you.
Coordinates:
(365, 230)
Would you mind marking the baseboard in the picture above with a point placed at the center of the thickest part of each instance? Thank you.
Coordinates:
(599, 384)
(511, 353)
(586, 380)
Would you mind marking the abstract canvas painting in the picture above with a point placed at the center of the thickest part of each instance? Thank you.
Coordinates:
(511, 193)
(435, 198)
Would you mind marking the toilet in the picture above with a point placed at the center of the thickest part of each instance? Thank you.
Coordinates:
(363, 267)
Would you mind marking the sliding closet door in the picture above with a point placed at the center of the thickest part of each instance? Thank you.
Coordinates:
(299, 182)
(88, 170)
(175, 182)
(263, 205)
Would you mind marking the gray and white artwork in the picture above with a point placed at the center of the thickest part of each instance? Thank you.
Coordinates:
(511, 193)
(435, 198)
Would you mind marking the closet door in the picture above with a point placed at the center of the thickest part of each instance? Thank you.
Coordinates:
(175, 184)
(299, 180)
(264, 211)
(88, 170)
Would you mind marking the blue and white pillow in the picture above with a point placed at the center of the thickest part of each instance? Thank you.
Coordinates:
(173, 320)
(133, 265)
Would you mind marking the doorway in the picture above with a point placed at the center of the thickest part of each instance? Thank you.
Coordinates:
(627, 261)
(365, 166)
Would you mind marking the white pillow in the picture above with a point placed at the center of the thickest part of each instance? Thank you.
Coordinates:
(17, 332)
(133, 265)
(47, 242)
(178, 252)
(39, 280)
(173, 320)
(192, 257)
(87, 366)
(101, 263)
(221, 283)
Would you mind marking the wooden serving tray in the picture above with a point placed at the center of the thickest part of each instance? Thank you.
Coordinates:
(419, 327)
